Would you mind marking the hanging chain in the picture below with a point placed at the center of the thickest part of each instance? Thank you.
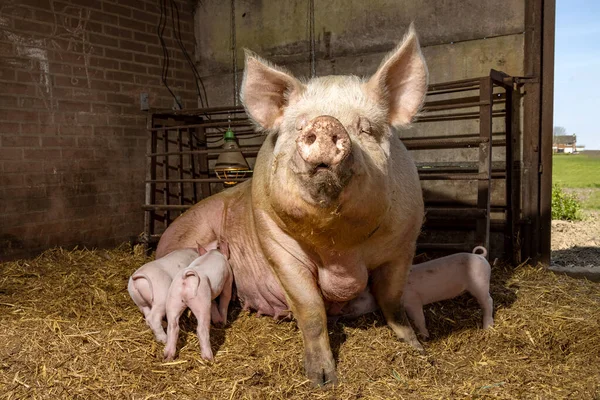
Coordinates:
(234, 55)
(311, 11)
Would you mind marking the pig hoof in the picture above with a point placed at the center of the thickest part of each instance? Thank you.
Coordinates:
(207, 356)
(169, 357)
(321, 372)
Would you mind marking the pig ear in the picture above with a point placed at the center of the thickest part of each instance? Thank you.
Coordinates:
(201, 250)
(400, 83)
(267, 90)
(224, 249)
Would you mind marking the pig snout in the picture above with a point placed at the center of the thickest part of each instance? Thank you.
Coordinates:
(323, 142)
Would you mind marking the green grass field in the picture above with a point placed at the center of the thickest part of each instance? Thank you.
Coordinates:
(581, 174)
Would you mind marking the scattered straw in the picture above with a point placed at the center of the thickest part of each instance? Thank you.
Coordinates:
(68, 329)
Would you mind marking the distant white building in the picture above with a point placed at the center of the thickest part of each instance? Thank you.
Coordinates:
(565, 144)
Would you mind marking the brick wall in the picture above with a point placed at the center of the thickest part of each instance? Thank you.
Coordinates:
(72, 136)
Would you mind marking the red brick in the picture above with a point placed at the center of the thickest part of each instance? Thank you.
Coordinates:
(7, 74)
(38, 129)
(118, 54)
(31, 27)
(74, 106)
(11, 179)
(119, 98)
(104, 62)
(132, 24)
(104, 18)
(101, 84)
(91, 119)
(7, 49)
(116, 9)
(77, 153)
(132, 45)
(58, 141)
(18, 88)
(146, 59)
(75, 129)
(132, 67)
(124, 120)
(103, 40)
(41, 154)
(88, 94)
(151, 18)
(118, 32)
(11, 154)
(118, 76)
(68, 81)
(8, 101)
(32, 103)
(108, 130)
(106, 108)
(20, 141)
(23, 167)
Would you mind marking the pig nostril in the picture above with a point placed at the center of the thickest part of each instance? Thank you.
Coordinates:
(310, 139)
(334, 138)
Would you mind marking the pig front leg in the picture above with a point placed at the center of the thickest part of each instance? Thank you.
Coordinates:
(388, 285)
(308, 307)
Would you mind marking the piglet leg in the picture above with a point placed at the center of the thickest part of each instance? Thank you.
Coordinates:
(415, 312)
(175, 307)
(201, 304)
(225, 298)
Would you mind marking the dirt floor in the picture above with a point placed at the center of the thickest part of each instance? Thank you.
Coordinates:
(576, 246)
(68, 329)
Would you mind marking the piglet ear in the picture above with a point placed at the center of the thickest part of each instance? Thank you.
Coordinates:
(400, 83)
(267, 90)
(201, 250)
(224, 248)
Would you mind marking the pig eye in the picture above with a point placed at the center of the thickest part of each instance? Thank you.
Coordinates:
(364, 125)
(301, 122)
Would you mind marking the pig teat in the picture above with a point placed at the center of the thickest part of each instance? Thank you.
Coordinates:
(323, 142)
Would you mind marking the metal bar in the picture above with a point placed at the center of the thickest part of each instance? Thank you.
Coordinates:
(482, 231)
(192, 160)
(180, 166)
(434, 143)
(531, 129)
(220, 123)
(216, 150)
(508, 187)
(150, 188)
(203, 163)
(198, 111)
(515, 172)
(199, 180)
(453, 84)
(458, 247)
(456, 116)
(166, 193)
(447, 212)
(482, 176)
(460, 102)
(547, 109)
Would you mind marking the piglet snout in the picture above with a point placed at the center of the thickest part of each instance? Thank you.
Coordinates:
(323, 142)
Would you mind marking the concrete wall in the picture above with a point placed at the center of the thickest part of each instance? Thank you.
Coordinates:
(72, 136)
(460, 40)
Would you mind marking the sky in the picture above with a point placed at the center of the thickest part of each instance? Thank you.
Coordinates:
(577, 70)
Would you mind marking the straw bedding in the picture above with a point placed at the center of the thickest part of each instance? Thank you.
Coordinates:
(69, 330)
